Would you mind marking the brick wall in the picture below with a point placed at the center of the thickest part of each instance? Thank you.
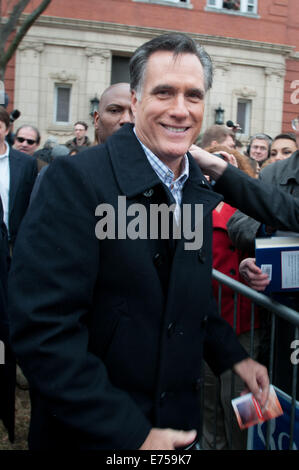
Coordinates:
(271, 26)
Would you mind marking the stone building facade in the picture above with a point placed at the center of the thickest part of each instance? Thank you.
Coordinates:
(75, 50)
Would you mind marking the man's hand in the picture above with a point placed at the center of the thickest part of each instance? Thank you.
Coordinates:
(167, 439)
(210, 164)
(256, 378)
(253, 275)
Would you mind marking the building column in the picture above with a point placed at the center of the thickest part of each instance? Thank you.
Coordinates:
(27, 89)
(273, 105)
(98, 72)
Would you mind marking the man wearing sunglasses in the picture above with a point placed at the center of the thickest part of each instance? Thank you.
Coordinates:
(17, 176)
(27, 139)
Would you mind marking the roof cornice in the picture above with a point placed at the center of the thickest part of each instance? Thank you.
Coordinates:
(148, 33)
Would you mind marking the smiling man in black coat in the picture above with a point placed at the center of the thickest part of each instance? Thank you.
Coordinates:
(110, 325)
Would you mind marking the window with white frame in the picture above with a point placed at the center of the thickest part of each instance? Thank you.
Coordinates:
(62, 104)
(251, 6)
(242, 6)
(244, 115)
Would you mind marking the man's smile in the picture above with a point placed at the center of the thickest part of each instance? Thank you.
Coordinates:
(175, 129)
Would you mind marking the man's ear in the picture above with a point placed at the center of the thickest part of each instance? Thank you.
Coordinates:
(134, 102)
(96, 119)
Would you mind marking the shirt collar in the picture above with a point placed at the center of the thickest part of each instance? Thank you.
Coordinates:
(165, 174)
(6, 153)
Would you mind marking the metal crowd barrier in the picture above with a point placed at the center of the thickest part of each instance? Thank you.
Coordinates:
(277, 310)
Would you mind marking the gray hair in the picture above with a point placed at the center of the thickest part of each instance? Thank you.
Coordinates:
(261, 136)
(178, 43)
(51, 142)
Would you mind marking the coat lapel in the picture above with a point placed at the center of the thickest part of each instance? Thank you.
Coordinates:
(197, 196)
(198, 191)
(15, 170)
(133, 172)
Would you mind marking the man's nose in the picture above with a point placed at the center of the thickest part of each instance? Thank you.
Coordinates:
(179, 108)
(126, 117)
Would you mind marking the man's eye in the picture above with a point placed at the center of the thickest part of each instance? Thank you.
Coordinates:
(195, 97)
(113, 110)
(163, 93)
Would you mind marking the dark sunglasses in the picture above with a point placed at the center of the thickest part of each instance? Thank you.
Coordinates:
(29, 141)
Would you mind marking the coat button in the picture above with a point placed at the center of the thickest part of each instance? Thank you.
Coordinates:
(158, 260)
(232, 272)
(148, 193)
(204, 321)
(162, 398)
(232, 248)
(171, 329)
(201, 256)
(197, 385)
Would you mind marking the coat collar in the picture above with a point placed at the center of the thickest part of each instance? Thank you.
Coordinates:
(283, 171)
(290, 169)
(132, 170)
(135, 175)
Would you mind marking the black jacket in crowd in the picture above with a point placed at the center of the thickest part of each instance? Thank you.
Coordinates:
(23, 172)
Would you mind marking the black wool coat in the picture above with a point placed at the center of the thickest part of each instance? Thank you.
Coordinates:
(111, 333)
(23, 172)
(8, 368)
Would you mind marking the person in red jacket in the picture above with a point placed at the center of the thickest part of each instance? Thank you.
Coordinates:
(226, 259)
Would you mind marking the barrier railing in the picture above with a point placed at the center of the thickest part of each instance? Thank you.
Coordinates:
(275, 309)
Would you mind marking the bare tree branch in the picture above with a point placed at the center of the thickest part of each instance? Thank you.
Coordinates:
(28, 22)
(11, 24)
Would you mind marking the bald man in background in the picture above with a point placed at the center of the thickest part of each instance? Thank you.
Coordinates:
(114, 111)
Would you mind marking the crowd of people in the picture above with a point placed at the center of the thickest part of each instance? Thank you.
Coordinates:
(111, 333)
(233, 242)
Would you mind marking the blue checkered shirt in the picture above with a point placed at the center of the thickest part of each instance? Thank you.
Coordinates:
(166, 175)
